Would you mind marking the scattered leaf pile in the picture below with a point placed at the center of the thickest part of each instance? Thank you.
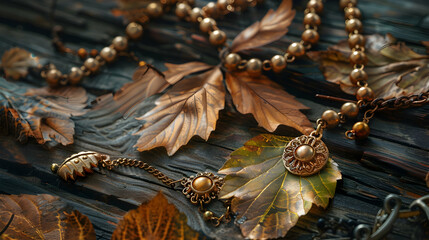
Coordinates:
(29, 217)
(156, 219)
(40, 113)
(267, 199)
(393, 69)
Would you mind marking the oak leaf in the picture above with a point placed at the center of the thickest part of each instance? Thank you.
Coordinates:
(271, 28)
(269, 104)
(393, 69)
(41, 217)
(41, 113)
(156, 219)
(16, 61)
(267, 199)
(191, 107)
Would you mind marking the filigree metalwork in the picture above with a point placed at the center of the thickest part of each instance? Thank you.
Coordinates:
(201, 189)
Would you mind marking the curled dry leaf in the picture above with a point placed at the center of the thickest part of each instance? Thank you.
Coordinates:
(147, 81)
(156, 219)
(41, 113)
(271, 28)
(191, 107)
(16, 61)
(176, 72)
(42, 217)
(393, 69)
(267, 199)
(269, 104)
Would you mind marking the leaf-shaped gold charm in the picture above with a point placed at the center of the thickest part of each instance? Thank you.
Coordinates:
(393, 69)
(78, 164)
(16, 61)
(267, 198)
(269, 104)
(189, 108)
(271, 28)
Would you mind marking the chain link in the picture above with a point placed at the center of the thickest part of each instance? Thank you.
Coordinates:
(110, 164)
(398, 103)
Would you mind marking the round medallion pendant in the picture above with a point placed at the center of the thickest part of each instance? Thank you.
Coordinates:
(305, 155)
(202, 188)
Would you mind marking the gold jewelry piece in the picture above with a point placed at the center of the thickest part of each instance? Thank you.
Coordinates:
(200, 189)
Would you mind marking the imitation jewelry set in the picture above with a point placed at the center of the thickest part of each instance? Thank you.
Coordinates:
(304, 156)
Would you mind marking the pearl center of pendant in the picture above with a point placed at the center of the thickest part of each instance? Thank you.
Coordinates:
(304, 153)
(202, 183)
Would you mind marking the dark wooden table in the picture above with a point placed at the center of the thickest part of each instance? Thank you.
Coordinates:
(395, 159)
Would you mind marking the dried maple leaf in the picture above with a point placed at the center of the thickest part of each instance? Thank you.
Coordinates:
(156, 219)
(147, 81)
(16, 61)
(191, 107)
(271, 28)
(269, 104)
(42, 217)
(176, 72)
(393, 69)
(267, 198)
(42, 113)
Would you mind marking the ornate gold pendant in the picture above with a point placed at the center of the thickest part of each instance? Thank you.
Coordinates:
(201, 189)
(305, 155)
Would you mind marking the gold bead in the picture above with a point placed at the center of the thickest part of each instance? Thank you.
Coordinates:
(92, 64)
(358, 75)
(365, 94)
(134, 30)
(108, 54)
(195, 14)
(278, 63)
(217, 37)
(120, 43)
(202, 184)
(154, 9)
(361, 130)
(207, 215)
(350, 109)
(182, 10)
(317, 5)
(82, 53)
(304, 153)
(211, 9)
(312, 19)
(310, 36)
(232, 60)
(53, 76)
(207, 24)
(75, 75)
(54, 168)
(353, 24)
(254, 67)
(356, 40)
(345, 3)
(331, 118)
(352, 12)
(358, 57)
(222, 4)
(296, 49)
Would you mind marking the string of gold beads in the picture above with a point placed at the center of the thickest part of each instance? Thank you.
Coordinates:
(278, 63)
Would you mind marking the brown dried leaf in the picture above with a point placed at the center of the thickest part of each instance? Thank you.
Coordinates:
(42, 113)
(16, 61)
(147, 81)
(269, 104)
(42, 217)
(156, 219)
(393, 69)
(267, 198)
(191, 107)
(176, 72)
(271, 28)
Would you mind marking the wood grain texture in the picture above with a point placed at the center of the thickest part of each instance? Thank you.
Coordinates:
(393, 160)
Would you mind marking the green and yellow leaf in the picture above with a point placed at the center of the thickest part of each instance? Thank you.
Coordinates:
(268, 199)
